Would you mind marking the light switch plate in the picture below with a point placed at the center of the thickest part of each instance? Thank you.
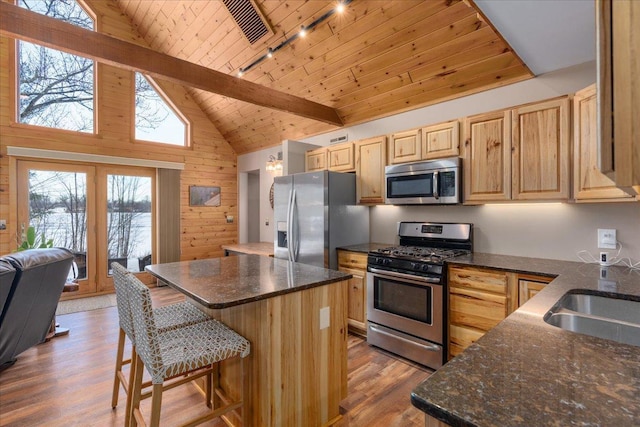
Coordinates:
(607, 238)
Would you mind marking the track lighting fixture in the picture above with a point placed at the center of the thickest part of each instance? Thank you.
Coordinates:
(304, 29)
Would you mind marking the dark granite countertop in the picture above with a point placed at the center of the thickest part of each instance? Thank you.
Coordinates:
(225, 282)
(261, 248)
(525, 372)
(365, 247)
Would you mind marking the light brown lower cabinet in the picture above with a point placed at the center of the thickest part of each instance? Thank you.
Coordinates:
(355, 263)
(480, 298)
(529, 285)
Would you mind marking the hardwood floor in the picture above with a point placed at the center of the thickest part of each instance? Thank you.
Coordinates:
(68, 381)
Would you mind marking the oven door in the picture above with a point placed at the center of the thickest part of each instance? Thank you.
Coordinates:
(406, 303)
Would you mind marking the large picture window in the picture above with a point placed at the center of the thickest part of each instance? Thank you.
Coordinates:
(56, 89)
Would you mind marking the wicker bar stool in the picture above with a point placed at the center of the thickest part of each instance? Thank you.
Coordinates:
(168, 317)
(189, 352)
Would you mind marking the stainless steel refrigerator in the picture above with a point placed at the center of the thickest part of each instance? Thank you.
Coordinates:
(314, 213)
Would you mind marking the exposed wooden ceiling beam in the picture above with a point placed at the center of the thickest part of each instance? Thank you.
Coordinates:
(22, 24)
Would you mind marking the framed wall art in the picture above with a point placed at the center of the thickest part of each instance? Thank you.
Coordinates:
(204, 196)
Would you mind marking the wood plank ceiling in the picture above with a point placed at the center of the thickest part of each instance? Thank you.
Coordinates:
(376, 59)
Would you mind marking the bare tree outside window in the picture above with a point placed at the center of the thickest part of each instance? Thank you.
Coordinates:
(155, 119)
(126, 205)
(57, 207)
(56, 89)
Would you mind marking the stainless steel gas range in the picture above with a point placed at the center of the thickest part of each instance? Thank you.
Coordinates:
(406, 290)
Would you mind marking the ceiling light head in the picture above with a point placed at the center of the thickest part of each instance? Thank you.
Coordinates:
(340, 7)
(269, 53)
(303, 31)
(240, 72)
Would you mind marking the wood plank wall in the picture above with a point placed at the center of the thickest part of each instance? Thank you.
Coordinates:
(209, 161)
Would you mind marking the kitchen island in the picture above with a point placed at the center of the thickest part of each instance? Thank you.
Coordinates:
(525, 372)
(294, 316)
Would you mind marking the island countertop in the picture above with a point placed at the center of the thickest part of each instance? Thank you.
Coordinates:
(525, 372)
(224, 282)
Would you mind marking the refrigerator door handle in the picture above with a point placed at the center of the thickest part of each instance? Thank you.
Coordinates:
(295, 228)
(289, 227)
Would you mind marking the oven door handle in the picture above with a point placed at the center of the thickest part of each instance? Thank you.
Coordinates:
(429, 347)
(404, 275)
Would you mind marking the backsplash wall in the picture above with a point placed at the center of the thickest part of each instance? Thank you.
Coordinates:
(556, 231)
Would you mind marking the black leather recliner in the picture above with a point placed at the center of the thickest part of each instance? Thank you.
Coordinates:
(7, 275)
(29, 304)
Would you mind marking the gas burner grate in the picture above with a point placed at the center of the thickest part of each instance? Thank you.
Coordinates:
(419, 252)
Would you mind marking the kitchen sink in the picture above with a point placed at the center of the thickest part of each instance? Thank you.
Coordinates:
(600, 316)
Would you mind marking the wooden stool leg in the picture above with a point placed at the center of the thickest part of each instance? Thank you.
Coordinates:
(156, 403)
(135, 390)
(208, 387)
(132, 379)
(116, 376)
(215, 378)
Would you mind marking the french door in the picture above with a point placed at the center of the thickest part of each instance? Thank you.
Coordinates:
(101, 213)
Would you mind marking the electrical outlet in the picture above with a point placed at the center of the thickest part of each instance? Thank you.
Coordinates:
(324, 317)
(607, 238)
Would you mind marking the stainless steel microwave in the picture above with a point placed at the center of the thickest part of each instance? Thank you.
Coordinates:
(430, 182)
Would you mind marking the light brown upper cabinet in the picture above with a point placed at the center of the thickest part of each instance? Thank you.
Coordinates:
(541, 151)
(441, 140)
(341, 157)
(518, 154)
(619, 91)
(370, 162)
(316, 160)
(431, 142)
(487, 157)
(405, 147)
(589, 184)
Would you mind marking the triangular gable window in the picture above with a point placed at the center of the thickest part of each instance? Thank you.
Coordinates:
(156, 120)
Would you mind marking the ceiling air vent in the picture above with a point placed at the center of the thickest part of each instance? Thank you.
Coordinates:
(249, 19)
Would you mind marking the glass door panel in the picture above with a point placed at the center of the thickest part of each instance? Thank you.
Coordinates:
(127, 225)
(56, 200)
(128, 220)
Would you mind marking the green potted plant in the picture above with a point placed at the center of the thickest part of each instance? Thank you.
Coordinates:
(31, 241)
